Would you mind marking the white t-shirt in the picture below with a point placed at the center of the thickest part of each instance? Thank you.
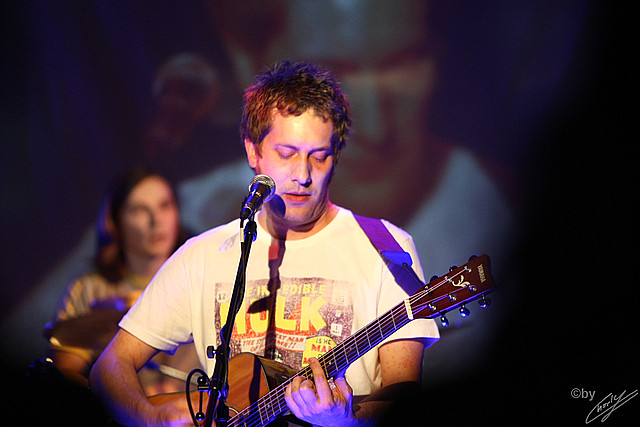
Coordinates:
(329, 286)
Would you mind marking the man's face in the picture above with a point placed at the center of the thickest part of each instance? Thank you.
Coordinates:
(297, 154)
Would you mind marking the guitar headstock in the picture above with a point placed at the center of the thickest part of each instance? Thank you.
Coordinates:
(454, 289)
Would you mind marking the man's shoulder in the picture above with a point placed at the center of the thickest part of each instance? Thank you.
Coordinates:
(396, 231)
(215, 237)
(357, 220)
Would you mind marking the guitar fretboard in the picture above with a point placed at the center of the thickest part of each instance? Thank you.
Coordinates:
(459, 286)
(270, 406)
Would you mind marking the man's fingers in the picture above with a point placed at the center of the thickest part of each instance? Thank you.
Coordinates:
(321, 399)
(301, 396)
(323, 386)
(345, 389)
(291, 403)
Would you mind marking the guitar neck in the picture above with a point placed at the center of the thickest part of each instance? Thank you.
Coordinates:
(456, 288)
(354, 347)
(270, 406)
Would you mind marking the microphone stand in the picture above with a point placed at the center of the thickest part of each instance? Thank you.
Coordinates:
(218, 385)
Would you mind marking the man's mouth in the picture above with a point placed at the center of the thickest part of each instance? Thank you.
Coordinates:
(297, 197)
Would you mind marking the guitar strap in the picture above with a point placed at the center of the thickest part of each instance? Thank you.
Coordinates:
(390, 250)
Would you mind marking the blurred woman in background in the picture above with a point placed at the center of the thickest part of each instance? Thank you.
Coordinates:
(138, 228)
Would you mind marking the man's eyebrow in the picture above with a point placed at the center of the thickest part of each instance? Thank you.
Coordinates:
(294, 147)
(288, 146)
(322, 149)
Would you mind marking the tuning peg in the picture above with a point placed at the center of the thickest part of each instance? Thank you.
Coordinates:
(453, 267)
(433, 278)
(464, 311)
(443, 320)
(484, 302)
(472, 257)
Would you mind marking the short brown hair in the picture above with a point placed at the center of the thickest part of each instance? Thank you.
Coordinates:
(292, 88)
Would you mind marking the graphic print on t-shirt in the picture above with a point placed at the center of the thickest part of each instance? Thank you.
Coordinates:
(311, 316)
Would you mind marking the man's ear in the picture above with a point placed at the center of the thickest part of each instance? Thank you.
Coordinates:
(252, 155)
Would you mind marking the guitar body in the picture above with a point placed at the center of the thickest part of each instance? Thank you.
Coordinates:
(250, 378)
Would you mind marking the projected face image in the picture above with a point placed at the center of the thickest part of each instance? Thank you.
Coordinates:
(379, 51)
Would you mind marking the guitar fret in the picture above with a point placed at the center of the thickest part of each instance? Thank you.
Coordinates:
(342, 358)
(263, 408)
(347, 350)
(323, 364)
(368, 340)
(344, 355)
(267, 408)
(306, 372)
(335, 362)
(380, 329)
(275, 402)
(389, 329)
(381, 325)
(364, 344)
(399, 318)
(260, 415)
(326, 360)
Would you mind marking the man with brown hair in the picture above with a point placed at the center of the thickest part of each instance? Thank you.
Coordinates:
(312, 277)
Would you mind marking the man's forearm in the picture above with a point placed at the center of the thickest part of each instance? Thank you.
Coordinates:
(118, 387)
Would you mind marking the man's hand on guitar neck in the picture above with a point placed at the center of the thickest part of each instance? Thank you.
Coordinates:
(321, 402)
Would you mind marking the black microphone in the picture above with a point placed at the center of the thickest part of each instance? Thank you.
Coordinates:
(261, 189)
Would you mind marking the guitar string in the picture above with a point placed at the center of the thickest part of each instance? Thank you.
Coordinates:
(275, 404)
(275, 398)
(277, 393)
(281, 404)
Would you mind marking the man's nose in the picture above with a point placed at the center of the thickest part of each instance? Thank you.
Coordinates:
(302, 171)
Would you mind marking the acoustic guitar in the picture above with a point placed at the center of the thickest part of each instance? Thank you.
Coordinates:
(257, 385)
